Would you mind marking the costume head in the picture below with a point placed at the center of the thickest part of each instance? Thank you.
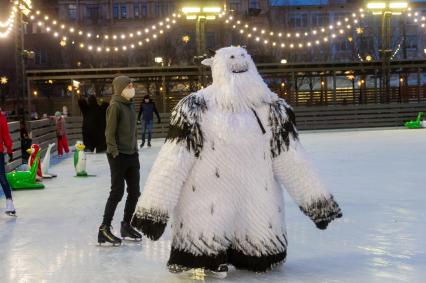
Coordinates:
(79, 145)
(123, 86)
(33, 150)
(58, 114)
(146, 98)
(236, 81)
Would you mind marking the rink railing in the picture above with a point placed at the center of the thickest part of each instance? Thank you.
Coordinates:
(42, 132)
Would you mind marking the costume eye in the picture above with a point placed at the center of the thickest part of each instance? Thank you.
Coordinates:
(232, 57)
(243, 55)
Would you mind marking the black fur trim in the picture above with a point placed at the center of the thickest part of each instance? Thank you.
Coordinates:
(255, 263)
(283, 124)
(150, 222)
(322, 212)
(186, 260)
(185, 123)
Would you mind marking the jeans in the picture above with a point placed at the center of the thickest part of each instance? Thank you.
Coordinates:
(147, 126)
(124, 168)
(3, 181)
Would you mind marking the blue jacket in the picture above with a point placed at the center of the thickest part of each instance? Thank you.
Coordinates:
(147, 111)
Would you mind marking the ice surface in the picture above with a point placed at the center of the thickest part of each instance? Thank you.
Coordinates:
(378, 177)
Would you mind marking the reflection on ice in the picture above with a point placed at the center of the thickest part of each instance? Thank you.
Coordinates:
(380, 239)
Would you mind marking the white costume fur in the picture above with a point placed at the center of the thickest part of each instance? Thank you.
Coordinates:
(231, 149)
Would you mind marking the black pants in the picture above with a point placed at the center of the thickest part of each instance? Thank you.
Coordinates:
(3, 181)
(124, 168)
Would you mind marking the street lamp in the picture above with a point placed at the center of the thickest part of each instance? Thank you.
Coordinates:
(284, 61)
(4, 80)
(386, 9)
(201, 11)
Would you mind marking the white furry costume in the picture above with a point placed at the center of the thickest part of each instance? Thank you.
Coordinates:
(231, 149)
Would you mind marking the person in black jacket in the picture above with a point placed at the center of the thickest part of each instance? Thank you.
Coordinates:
(93, 124)
(146, 111)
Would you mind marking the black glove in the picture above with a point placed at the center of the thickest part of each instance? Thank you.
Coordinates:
(153, 230)
(10, 156)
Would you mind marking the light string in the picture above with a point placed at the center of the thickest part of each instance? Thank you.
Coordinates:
(282, 39)
(63, 31)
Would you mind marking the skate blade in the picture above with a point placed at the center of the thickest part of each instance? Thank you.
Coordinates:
(131, 239)
(200, 274)
(108, 244)
(217, 275)
(12, 214)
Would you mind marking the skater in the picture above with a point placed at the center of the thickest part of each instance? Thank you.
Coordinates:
(123, 159)
(231, 150)
(6, 141)
(101, 141)
(26, 142)
(146, 111)
(61, 135)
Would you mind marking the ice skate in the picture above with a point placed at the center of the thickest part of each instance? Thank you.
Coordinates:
(142, 144)
(105, 235)
(127, 231)
(149, 144)
(10, 209)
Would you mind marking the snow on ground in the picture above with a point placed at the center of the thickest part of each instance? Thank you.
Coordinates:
(378, 177)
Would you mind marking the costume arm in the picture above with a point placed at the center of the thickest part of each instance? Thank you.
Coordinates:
(171, 169)
(293, 170)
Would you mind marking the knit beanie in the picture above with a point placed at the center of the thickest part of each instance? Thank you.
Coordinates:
(120, 83)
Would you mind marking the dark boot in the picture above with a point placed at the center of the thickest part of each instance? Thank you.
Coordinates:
(149, 143)
(105, 235)
(142, 144)
(127, 231)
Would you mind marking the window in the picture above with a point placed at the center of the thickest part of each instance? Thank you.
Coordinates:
(137, 10)
(319, 20)
(72, 12)
(210, 40)
(123, 11)
(254, 4)
(298, 20)
(412, 42)
(235, 5)
(40, 57)
(93, 12)
(144, 9)
(115, 11)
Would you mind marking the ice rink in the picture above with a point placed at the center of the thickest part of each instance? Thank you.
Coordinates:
(378, 177)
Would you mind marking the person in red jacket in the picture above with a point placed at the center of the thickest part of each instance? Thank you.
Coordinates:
(61, 134)
(6, 143)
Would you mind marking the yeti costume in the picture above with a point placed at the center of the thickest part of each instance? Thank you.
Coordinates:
(231, 150)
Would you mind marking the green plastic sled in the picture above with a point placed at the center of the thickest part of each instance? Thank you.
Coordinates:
(416, 124)
(25, 180)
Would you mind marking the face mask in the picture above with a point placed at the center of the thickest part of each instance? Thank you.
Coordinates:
(128, 93)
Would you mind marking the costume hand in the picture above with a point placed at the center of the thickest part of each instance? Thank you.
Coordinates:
(152, 229)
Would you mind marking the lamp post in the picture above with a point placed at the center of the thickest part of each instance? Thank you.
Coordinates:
(386, 9)
(201, 11)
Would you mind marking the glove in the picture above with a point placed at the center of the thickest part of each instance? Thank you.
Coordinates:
(10, 156)
(138, 122)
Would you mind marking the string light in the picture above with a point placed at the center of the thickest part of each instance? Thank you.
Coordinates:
(18, 5)
(64, 30)
(171, 20)
(301, 38)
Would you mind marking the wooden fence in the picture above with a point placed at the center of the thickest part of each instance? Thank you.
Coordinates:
(43, 133)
